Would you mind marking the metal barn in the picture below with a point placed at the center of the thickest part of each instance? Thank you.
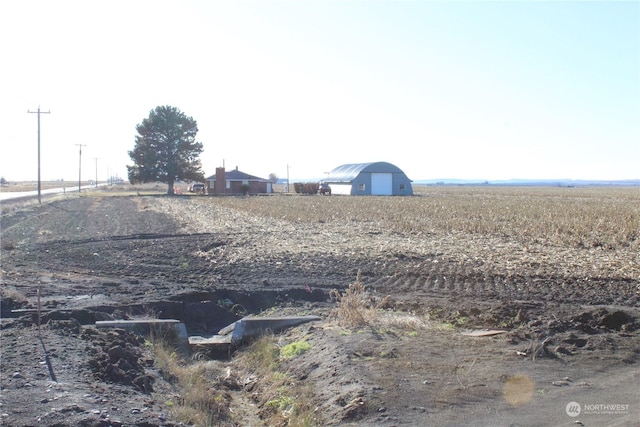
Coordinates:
(370, 179)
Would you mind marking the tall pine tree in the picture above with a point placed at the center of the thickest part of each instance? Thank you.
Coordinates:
(166, 149)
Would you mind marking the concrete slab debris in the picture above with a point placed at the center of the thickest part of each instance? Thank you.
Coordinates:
(213, 340)
(247, 328)
(143, 326)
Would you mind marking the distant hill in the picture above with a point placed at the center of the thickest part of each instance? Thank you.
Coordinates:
(532, 182)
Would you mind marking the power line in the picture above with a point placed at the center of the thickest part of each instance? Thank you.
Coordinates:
(38, 113)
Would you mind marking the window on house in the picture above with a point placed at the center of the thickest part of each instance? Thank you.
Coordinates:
(245, 182)
(402, 188)
(228, 185)
(361, 187)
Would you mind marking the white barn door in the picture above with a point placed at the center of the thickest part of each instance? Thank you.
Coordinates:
(381, 184)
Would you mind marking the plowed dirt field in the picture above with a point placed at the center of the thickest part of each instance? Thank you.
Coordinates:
(567, 318)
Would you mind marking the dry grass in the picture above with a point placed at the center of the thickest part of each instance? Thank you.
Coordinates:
(355, 307)
(281, 399)
(262, 356)
(403, 321)
(18, 186)
(148, 188)
(9, 292)
(199, 399)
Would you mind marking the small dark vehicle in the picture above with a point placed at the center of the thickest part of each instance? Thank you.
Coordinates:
(324, 189)
(197, 188)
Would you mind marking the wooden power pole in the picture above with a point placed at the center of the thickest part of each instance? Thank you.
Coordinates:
(38, 113)
(80, 166)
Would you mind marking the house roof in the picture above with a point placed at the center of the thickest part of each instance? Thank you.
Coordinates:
(236, 175)
(348, 172)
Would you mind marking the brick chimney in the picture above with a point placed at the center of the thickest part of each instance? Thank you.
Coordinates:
(221, 182)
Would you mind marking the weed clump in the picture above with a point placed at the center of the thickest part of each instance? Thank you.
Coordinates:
(281, 399)
(200, 400)
(355, 307)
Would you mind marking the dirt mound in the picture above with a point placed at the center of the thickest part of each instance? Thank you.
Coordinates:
(116, 358)
(595, 321)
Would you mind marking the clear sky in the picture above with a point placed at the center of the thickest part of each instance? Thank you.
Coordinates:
(441, 89)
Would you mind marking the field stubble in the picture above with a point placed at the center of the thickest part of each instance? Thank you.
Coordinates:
(579, 233)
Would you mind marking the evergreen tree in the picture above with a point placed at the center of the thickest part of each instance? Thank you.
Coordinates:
(166, 149)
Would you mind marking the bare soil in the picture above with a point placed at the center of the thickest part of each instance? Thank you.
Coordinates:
(570, 334)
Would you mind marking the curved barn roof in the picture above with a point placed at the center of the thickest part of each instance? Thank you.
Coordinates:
(347, 173)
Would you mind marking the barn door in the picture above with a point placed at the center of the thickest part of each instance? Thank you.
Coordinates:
(381, 184)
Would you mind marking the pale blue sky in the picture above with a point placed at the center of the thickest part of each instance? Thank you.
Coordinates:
(442, 89)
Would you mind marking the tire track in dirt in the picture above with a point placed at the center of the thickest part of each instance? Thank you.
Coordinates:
(9, 223)
(446, 281)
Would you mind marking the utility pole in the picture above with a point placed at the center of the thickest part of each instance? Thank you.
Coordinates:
(96, 158)
(287, 178)
(80, 166)
(38, 113)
